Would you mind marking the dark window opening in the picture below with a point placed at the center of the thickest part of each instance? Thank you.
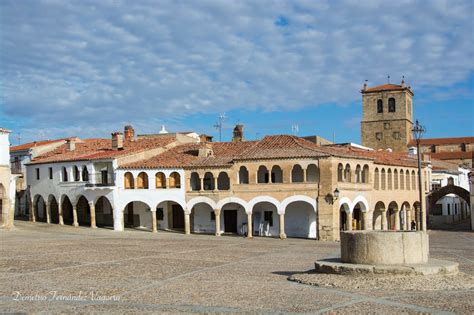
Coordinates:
(159, 214)
(268, 216)
(50, 173)
(379, 106)
(391, 105)
(37, 173)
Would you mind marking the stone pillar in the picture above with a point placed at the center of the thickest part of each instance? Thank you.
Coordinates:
(187, 223)
(384, 219)
(363, 216)
(60, 210)
(397, 220)
(74, 216)
(153, 222)
(118, 219)
(304, 175)
(48, 212)
(282, 226)
(349, 221)
(92, 208)
(249, 225)
(215, 183)
(417, 218)
(33, 212)
(217, 213)
(201, 179)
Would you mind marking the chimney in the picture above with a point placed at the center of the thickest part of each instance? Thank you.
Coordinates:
(129, 133)
(238, 133)
(403, 81)
(365, 86)
(205, 150)
(205, 138)
(117, 141)
(70, 144)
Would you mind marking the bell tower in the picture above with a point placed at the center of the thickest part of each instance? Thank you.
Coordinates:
(387, 116)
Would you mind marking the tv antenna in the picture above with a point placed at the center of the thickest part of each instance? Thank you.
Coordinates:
(295, 129)
(219, 125)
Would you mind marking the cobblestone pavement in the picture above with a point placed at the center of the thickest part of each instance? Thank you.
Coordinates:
(50, 268)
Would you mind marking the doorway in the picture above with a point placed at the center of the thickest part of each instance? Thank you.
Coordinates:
(230, 221)
(178, 217)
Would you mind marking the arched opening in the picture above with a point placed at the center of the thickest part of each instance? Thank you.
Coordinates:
(170, 216)
(203, 219)
(195, 181)
(277, 174)
(137, 214)
(265, 219)
(104, 213)
(234, 219)
(77, 174)
(209, 181)
(175, 180)
(243, 175)
(389, 179)
(343, 213)
(402, 180)
(297, 174)
(395, 179)
(300, 220)
(405, 218)
(85, 174)
(379, 106)
(54, 210)
(347, 174)
(223, 182)
(358, 218)
(391, 105)
(340, 171)
(413, 180)
(376, 179)
(64, 174)
(358, 174)
(83, 212)
(392, 214)
(40, 209)
(262, 175)
(66, 207)
(407, 180)
(129, 181)
(160, 180)
(377, 216)
(382, 179)
(312, 174)
(142, 180)
(416, 215)
(365, 174)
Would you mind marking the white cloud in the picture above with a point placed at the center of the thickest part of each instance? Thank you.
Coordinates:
(82, 63)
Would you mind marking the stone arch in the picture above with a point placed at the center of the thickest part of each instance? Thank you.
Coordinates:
(209, 183)
(300, 217)
(175, 180)
(297, 174)
(414, 182)
(296, 198)
(358, 174)
(128, 181)
(364, 204)
(243, 175)
(389, 179)
(407, 180)
(83, 211)
(160, 180)
(383, 179)
(446, 190)
(392, 213)
(142, 180)
(195, 181)
(344, 212)
(347, 173)
(405, 216)
(223, 181)
(262, 175)
(236, 200)
(66, 207)
(376, 179)
(39, 206)
(135, 215)
(377, 216)
(365, 174)
(54, 209)
(340, 172)
(191, 203)
(268, 199)
(104, 211)
(345, 203)
(312, 173)
(277, 174)
(402, 180)
(395, 179)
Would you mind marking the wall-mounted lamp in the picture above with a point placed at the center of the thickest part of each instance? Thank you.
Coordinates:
(330, 198)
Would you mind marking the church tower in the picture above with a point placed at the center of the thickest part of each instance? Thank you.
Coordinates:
(387, 117)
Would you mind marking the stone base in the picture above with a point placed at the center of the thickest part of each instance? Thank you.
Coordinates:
(433, 267)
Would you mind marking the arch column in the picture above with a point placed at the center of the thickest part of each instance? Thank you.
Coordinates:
(408, 219)
(217, 213)
(249, 225)
(282, 226)
(363, 216)
(153, 221)
(92, 208)
(397, 220)
(74, 216)
(60, 211)
(187, 223)
(215, 183)
(118, 219)
(48, 212)
(349, 220)
(384, 219)
(33, 212)
(201, 179)
(305, 179)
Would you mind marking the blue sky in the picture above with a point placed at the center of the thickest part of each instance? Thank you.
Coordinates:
(87, 68)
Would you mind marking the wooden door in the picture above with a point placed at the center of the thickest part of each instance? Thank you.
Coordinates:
(178, 217)
(230, 221)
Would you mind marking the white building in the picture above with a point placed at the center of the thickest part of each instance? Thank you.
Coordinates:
(7, 182)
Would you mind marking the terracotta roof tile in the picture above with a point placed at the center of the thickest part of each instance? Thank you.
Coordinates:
(29, 145)
(385, 87)
(459, 155)
(442, 141)
(95, 149)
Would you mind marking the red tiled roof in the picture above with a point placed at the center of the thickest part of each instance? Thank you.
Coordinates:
(29, 145)
(442, 141)
(386, 87)
(459, 155)
(439, 165)
(95, 149)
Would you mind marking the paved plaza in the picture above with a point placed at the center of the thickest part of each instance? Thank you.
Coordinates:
(53, 268)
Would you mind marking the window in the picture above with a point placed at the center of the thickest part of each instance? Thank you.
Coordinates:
(378, 136)
(77, 174)
(50, 173)
(213, 216)
(142, 181)
(160, 180)
(159, 214)
(391, 105)
(37, 173)
(175, 180)
(268, 216)
(65, 179)
(433, 149)
(129, 181)
(379, 106)
(463, 147)
(85, 174)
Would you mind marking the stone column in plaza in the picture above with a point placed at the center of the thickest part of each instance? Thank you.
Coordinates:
(249, 225)
(48, 212)
(60, 210)
(384, 219)
(153, 221)
(217, 213)
(92, 208)
(397, 220)
(32, 212)
(187, 223)
(349, 221)
(282, 226)
(74, 216)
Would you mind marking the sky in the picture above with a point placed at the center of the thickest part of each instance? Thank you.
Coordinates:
(87, 68)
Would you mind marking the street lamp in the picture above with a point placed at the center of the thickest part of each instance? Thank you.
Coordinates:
(418, 130)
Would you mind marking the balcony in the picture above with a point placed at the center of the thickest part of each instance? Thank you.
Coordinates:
(102, 179)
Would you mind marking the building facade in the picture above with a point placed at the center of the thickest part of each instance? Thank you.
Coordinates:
(7, 182)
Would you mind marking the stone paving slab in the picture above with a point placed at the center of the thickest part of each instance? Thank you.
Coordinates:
(175, 273)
